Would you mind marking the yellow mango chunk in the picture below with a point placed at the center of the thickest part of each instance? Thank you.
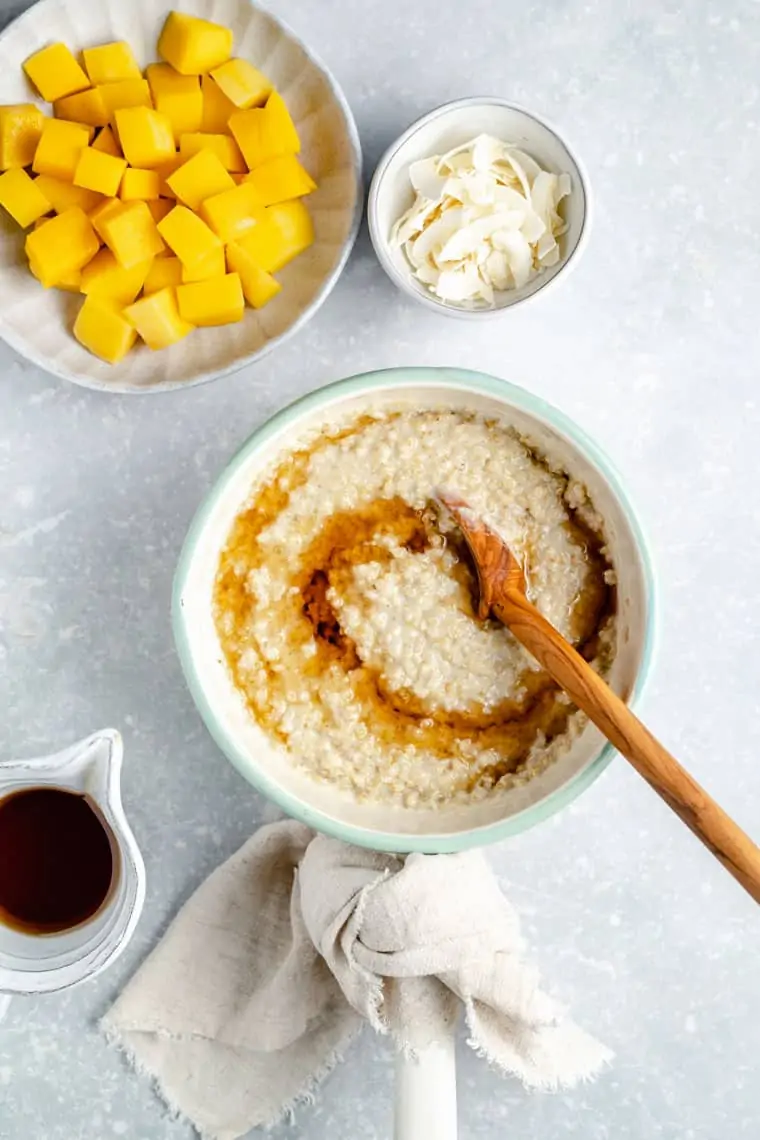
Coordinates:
(99, 172)
(157, 319)
(59, 148)
(62, 246)
(22, 197)
(104, 277)
(259, 287)
(85, 107)
(284, 231)
(280, 180)
(242, 83)
(105, 209)
(139, 184)
(55, 73)
(219, 301)
(225, 148)
(110, 62)
(217, 108)
(159, 208)
(63, 195)
(20, 131)
(212, 265)
(188, 236)
(176, 96)
(232, 213)
(125, 93)
(131, 234)
(71, 282)
(103, 331)
(106, 141)
(165, 171)
(265, 132)
(193, 46)
(200, 177)
(164, 272)
(146, 136)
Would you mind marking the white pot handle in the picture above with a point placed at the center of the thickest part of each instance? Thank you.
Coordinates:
(426, 1094)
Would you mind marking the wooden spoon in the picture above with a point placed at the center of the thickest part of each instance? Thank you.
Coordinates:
(502, 592)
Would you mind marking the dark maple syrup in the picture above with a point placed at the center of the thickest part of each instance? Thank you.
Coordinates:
(56, 860)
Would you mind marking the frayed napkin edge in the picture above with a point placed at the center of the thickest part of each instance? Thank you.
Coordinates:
(303, 1098)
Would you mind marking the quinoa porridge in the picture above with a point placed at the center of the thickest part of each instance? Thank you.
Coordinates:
(346, 614)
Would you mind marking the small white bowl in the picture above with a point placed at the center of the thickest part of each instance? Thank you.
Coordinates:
(37, 322)
(441, 130)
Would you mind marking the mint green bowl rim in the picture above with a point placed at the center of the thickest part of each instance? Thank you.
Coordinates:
(360, 384)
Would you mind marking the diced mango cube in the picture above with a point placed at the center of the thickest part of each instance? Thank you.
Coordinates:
(176, 96)
(63, 195)
(105, 209)
(200, 177)
(106, 141)
(99, 172)
(62, 246)
(163, 77)
(71, 284)
(131, 234)
(193, 46)
(217, 108)
(164, 272)
(218, 301)
(146, 137)
(265, 132)
(232, 213)
(104, 277)
(55, 73)
(242, 83)
(284, 231)
(225, 148)
(212, 265)
(165, 171)
(159, 208)
(59, 148)
(188, 236)
(110, 63)
(280, 180)
(281, 125)
(22, 197)
(20, 131)
(259, 287)
(125, 93)
(139, 184)
(157, 319)
(85, 107)
(103, 331)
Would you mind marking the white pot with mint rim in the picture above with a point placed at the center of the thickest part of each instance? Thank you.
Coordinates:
(426, 1087)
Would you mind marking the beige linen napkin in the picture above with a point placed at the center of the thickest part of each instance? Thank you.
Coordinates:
(269, 970)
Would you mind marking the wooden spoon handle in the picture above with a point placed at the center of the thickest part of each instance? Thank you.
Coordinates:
(590, 693)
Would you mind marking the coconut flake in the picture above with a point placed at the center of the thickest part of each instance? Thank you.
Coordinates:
(485, 218)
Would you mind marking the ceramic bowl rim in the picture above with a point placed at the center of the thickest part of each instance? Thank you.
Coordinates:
(36, 12)
(361, 384)
(380, 241)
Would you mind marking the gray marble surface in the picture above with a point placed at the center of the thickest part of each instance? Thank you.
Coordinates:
(653, 347)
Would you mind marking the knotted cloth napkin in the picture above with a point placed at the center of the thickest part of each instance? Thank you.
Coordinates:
(272, 966)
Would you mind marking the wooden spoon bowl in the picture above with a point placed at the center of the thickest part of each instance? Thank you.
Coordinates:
(501, 585)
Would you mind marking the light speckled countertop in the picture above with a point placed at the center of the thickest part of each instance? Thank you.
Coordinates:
(653, 346)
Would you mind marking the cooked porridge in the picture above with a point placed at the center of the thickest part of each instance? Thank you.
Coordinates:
(346, 613)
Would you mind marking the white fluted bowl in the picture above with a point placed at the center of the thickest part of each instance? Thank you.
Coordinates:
(37, 322)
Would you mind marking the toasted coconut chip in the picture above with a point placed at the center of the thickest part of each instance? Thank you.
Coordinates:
(485, 218)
